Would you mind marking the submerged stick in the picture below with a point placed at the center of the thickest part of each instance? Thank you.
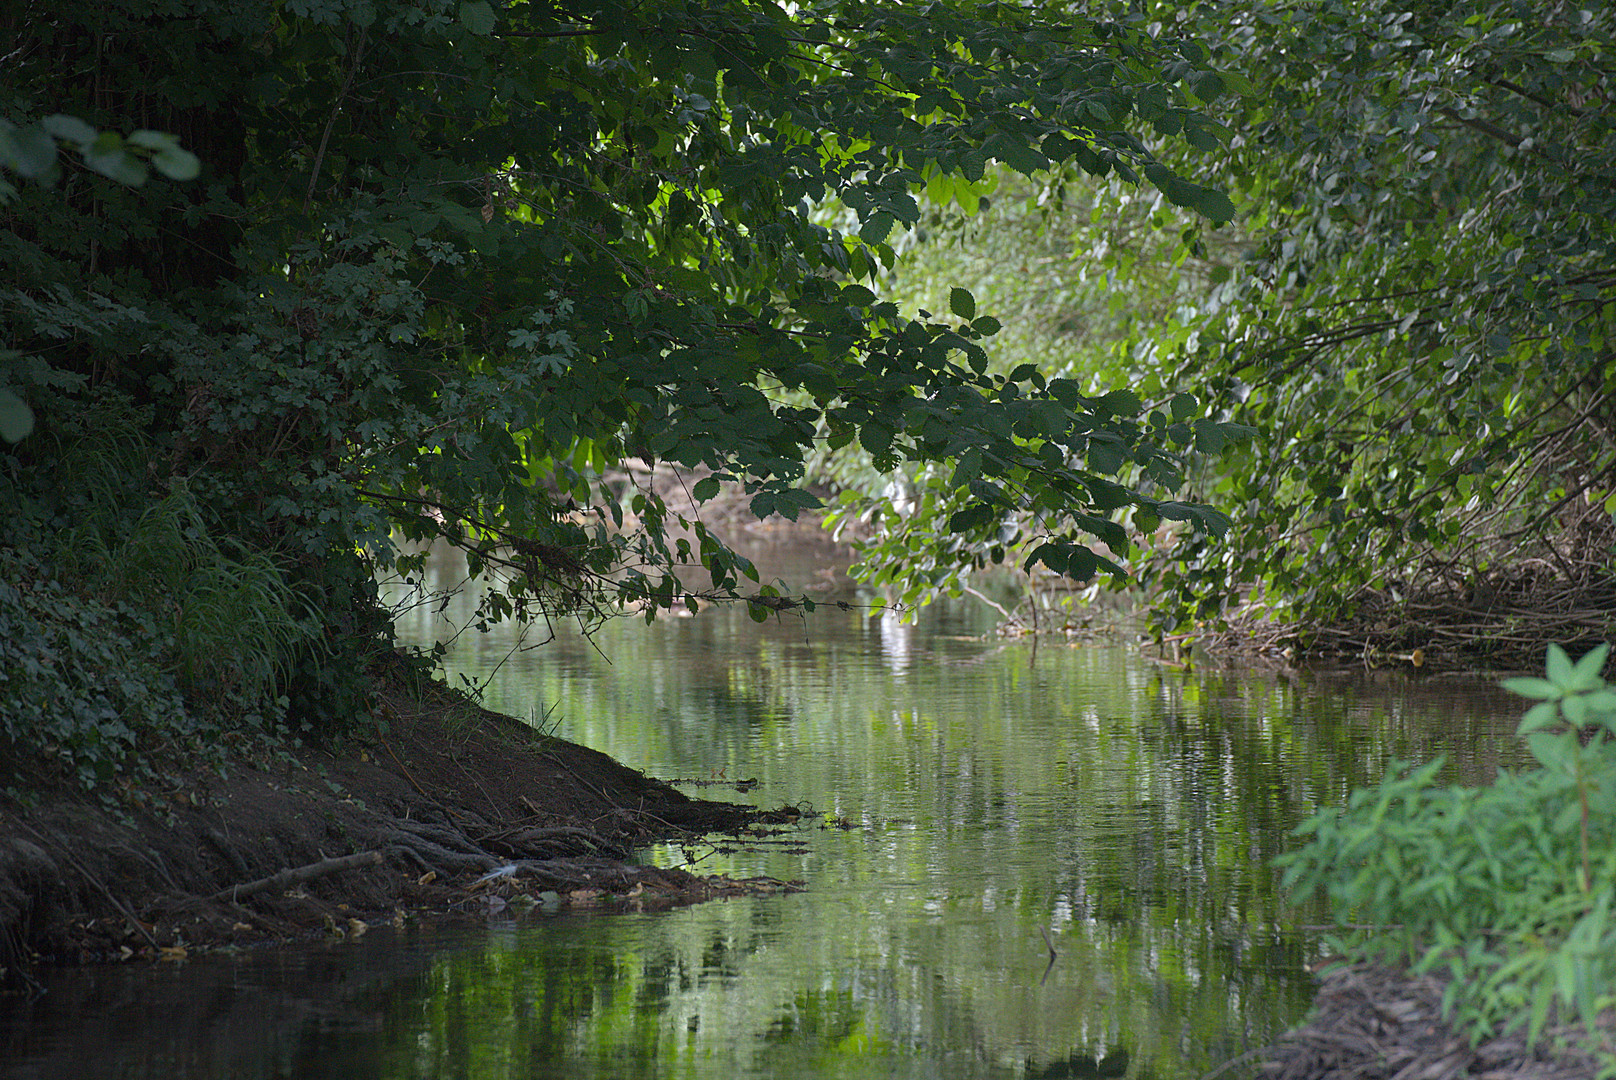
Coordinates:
(1053, 955)
(298, 875)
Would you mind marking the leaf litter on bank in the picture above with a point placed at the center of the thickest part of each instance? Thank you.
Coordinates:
(1371, 1022)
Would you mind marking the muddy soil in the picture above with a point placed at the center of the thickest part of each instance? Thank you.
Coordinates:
(399, 825)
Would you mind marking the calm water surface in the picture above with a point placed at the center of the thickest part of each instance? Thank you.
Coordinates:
(1121, 812)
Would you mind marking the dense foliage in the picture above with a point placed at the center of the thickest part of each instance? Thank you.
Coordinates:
(1412, 308)
(1509, 889)
(449, 266)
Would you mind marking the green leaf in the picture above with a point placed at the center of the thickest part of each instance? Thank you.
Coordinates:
(29, 151)
(1206, 85)
(706, 488)
(877, 227)
(972, 517)
(1559, 667)
(986, 325)
(16, 418)
(477, 16)
(177, 164)
(152, 140)
(962, 303)
(1209, 437)
(1540, 689)
(875, 439)
(1119, 403)
(1585, 674)
(1541, 715)
(70, 129)
(117, 163)
(1212, 204)
(1557, 751)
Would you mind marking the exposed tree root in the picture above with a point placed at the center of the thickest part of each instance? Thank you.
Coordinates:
(298, 875)
(453, 793)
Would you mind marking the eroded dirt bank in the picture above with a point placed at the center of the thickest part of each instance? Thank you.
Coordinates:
(401, 824)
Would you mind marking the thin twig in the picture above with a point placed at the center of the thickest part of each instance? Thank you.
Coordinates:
(336, 107)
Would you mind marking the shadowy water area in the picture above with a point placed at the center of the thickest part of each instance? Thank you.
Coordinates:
(1014, 869)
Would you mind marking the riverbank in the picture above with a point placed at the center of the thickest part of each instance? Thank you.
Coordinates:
(398, 825)
(1374, 1023)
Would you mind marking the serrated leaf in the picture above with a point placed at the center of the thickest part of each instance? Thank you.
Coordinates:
(1213, 204)
(706, 488)
(1067, 392)
(1119, 403)
(968, 469)
(986, 325)
(1555, 751)
(1105, 459)
(875, 439)
(1209, 437)
(962, 303)
(1206, 85)
(1024, 159)
(477, 16)
(877, 228)
(1237, 83)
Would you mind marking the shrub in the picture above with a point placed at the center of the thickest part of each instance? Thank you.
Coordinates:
(1508, 888)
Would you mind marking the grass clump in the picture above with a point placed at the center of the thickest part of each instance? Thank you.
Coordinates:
(130, 632)
(1508, 889)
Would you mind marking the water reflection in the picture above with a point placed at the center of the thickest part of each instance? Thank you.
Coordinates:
(1094, 804)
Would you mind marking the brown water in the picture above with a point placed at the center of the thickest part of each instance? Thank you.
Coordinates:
(1118, 811)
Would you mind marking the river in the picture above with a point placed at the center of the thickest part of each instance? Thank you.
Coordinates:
(1014, 868)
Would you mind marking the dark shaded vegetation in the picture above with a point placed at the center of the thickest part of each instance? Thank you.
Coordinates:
(466, 273)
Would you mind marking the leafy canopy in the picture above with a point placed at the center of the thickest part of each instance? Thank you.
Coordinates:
(450, 268)
(464, 270)
(1420, 318)
(1413, 309)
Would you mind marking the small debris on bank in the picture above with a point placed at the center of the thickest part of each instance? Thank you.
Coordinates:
(1374, 1023)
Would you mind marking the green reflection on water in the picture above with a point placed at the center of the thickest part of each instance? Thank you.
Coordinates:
(1124, 810)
